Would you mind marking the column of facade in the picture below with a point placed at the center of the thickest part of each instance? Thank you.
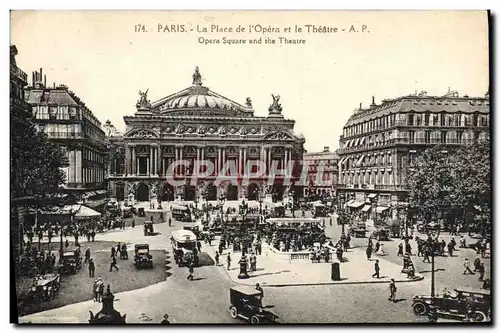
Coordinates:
(286, 161)
(217, 161)
(158, 160)
(198, 158)
(180, 158)
(240, 159)
(269, 160)
(263, 155)
(244, 160)
(132, 161)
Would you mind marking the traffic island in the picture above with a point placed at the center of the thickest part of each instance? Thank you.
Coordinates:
(355, 269)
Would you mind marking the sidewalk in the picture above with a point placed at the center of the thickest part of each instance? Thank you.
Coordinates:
(276, 273)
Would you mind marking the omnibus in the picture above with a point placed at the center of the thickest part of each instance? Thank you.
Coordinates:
(181, 213)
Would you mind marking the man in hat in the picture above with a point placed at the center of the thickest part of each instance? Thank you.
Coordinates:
(91, 267)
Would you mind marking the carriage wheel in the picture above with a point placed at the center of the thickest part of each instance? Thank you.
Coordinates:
(420, 309)
(255, 320)
(233, 312)
(479, 316)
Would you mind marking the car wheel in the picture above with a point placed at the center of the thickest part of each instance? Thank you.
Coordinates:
(255, 320)
(233, 312)
(479, 316)
(420, 309)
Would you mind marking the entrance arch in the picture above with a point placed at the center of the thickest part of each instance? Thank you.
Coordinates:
(168, 192)
(253, 191)
(189, 193)
(277, 193)
(211, 192)
(232, 192)
(142, 192)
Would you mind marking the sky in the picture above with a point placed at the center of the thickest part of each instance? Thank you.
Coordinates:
(101, 57)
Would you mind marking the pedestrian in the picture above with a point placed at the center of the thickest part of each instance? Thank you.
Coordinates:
(377, 270)
(392, 289)
(217, 258)
(450, 249)
(377, 246)
(477, 264)
(170, 219)
(369, 252)
(191, 271)
(220, 248)
(66, 244)
(228, 261)
(165, 320)
(463, 243)
(400, 249)
(91, 267)
(261, 293)
(113, 251)
(113, 264)
(87, 255)
(467, 267)
(133, 222)
(198, 245)
(119, 250)
(481, 272)
(330, 221)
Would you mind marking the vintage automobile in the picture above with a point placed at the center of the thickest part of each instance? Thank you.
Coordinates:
(71, 263)
(45, 287)
(148, 228)
(247, 304)
(456, 306)
(142, 257)
(184, 247)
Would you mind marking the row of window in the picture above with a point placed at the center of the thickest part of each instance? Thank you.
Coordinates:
(56, 112)
(91, 155)
(447, 120)
(417, 119)
(369, 178)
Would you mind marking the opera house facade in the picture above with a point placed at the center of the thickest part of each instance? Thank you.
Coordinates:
(197, 124)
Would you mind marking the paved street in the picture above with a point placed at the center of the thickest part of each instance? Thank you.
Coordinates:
(206, 299)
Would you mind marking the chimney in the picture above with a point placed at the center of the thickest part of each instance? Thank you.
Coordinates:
(44, 80)
(326, 149)
(373, 101)
(361, 106)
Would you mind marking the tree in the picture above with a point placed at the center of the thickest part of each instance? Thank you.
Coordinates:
(444, 178)
(35, 161)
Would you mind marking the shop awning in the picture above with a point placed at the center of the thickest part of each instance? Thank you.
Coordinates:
(372, 195)
(342, 161)
(366, 208)
(381, 209)
(357, 142)
(355, 204)
(80, 212)
(362, 141)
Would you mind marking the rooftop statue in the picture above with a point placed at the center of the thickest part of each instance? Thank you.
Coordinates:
(143, 101)
(275, 106)
(197, 80)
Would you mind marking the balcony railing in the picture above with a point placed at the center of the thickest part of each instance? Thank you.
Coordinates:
(64, 135)
(372, 187)
(16, 71)
(396, 141)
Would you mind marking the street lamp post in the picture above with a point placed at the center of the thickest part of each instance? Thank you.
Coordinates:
(432, 309)
(341, 213)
